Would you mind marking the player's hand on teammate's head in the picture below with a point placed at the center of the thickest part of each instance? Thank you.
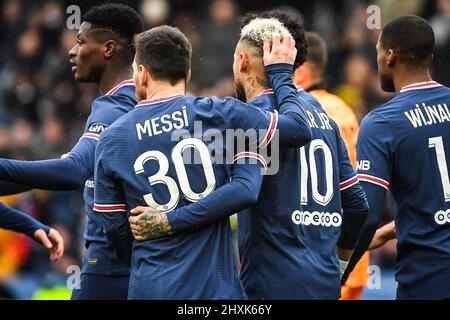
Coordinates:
(52, 241)
(282, 50)
(148, 223)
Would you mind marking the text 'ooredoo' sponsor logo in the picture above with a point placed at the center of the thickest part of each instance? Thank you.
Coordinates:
(316, 218)
(442, 217)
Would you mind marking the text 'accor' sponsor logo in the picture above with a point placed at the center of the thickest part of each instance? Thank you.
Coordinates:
(442, 217)
(316, 218)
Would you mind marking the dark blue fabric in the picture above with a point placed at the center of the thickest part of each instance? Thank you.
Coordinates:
(19, 221)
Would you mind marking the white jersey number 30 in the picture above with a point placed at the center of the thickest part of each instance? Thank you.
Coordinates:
(177, 158)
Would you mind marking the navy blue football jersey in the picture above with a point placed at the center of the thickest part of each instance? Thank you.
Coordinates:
(287, 241)
(158, 155)
(404, 146)
(100, 257)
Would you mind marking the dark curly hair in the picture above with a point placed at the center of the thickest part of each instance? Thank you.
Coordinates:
(292, 23)
(411, 37)
(117, 18)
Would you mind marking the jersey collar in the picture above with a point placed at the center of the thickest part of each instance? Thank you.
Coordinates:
(420, 85)
(144, 103)
(267, 91)
(125, 83)
(270, 91)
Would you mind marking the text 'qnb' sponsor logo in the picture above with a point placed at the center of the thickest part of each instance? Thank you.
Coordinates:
(316, 218)
(442, 217)
(97, 128)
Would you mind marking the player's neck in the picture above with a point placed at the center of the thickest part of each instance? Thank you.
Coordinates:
(409, 77)
(162, 89)
(112, 77)
(254, 86)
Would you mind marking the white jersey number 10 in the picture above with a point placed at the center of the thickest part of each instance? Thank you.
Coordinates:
(322, 199)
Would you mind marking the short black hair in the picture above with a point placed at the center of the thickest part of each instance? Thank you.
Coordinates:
(117, 18)
(165, 52)
(317, 51)
(292, 23)
(411, 37)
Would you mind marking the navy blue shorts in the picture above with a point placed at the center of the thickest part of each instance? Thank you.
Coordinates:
(100, 287)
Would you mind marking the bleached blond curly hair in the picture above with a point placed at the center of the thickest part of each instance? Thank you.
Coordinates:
(260, 28)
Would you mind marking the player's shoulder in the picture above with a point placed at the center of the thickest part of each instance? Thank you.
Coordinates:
(219, 106)
(110, 107)
(110, 103)
(123, 121)
(213, 100)
(380, 123)
(266, 101)
(385, 111)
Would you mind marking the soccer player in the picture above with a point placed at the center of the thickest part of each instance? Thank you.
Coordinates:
(288, 251)
(103, 55)
(141, 159)
(310, 77)
(281, 258)
(403, 146)
(18, 221)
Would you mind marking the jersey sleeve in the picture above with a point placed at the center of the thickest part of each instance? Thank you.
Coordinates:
(352, 195)
(9, 188)
(374, 151)
(105, 111)
(241, 192)
(109, 204)
(18, 221)
(375, 198)
(69, 173)
(55, 174)
(353, 199)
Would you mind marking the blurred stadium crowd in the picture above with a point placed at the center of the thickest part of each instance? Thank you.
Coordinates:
(43, 109)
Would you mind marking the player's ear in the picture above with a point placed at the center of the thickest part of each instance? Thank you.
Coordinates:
(391, 57)
(189, 74)
(244, 62)
(143, 75)
(109, 49)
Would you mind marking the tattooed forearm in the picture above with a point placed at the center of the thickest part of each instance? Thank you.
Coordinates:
(153, 225)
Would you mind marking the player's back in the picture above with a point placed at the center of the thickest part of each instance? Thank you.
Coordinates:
(322, 179)
(413, 131)
(100, 257)
(165, 162)
(288, 253)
